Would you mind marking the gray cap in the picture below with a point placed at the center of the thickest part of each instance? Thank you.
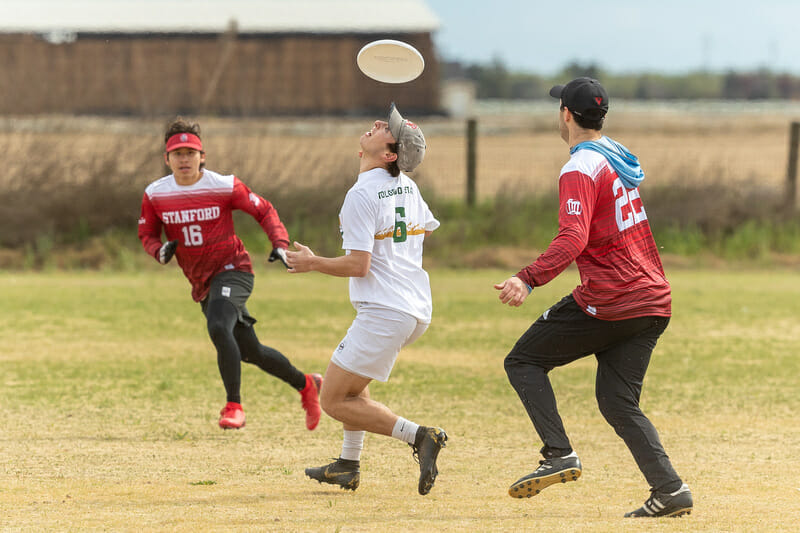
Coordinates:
(410, 140)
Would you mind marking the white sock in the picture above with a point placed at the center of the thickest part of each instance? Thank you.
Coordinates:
(352, 444)
(684, 488)
(405, 430)
(573, 454)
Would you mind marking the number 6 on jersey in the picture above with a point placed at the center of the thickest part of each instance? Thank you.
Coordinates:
(400, 230)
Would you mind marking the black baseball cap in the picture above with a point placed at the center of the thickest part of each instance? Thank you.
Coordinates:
(584, 97)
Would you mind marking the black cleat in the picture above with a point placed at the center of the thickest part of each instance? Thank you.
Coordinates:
(342, 472)
(676, 503)
(428, 443)
(550, 471)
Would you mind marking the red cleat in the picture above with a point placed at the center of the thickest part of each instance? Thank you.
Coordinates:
(231, 416)
(309, 397)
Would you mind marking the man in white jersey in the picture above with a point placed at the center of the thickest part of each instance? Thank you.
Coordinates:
(383, 221)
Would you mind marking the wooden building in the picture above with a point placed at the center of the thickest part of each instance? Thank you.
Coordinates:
(224, 57)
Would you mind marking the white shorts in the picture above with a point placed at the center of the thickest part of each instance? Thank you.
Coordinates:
(370, 347)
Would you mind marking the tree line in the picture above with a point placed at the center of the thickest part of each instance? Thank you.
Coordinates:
(495, 80)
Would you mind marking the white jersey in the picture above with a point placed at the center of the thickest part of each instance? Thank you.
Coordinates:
(388, 218)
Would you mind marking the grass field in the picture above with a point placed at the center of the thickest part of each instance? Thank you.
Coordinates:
(110, 393)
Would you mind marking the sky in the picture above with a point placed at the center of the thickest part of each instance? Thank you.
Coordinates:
(622, 36)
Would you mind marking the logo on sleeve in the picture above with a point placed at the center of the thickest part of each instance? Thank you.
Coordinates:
(573, 207)
(254, 200)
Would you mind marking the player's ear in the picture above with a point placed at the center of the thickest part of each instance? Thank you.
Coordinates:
(166, 158)
(389, 156)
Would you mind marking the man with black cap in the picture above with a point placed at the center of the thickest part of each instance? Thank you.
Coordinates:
(383, 222)
(617, 313)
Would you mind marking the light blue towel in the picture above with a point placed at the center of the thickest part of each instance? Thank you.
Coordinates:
(624, 163)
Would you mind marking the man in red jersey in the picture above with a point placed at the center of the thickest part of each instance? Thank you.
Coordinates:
(618, 312)
(194, 207)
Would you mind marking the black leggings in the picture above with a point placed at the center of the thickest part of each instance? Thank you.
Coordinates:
(622, 348)
(236, 341)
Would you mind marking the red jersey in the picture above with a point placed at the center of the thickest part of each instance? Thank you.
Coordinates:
(200, 217)
(604, 229)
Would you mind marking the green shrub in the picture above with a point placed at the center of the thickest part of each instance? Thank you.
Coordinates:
(89, 221)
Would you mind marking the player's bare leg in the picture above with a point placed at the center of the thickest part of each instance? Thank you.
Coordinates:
(345, 397)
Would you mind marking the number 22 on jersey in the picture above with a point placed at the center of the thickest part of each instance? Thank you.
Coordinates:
(628, 207)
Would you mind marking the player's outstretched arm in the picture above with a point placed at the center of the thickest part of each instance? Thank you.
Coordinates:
(354, 265)
(513, 291)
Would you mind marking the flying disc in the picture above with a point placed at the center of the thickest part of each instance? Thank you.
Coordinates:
(390, 61)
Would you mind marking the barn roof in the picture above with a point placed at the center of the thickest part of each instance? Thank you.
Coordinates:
(215, 16)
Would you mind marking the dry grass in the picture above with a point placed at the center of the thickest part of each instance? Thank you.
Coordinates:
(513, 152)
(527, 155)
(68, 180)
(110, 392)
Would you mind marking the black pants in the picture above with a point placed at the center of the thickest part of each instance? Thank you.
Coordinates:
(230, 327)
(564, 333)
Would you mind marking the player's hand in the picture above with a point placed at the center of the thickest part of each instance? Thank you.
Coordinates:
(513, 291)
(278, 254)
(166, 251)
(300, 261)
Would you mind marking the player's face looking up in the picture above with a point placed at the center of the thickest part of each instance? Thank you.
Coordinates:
(185, 164)
(378, 138)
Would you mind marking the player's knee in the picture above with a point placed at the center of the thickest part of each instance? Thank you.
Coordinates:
(331, 404)
(517, 365)
(219, 328)
(510, 363)
(216, 328)
(221, 319)
(614, 409)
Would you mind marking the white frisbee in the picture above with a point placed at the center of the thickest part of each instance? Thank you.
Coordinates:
(390, 61)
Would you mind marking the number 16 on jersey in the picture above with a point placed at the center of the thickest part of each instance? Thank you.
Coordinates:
(192, 235)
